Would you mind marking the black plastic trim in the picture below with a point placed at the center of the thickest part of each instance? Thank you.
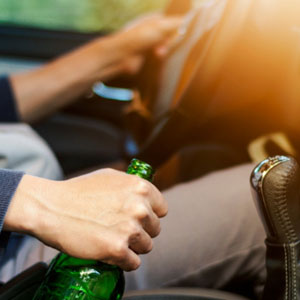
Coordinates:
(39, 43)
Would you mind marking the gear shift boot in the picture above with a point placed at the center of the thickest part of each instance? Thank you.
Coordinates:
(275, 186)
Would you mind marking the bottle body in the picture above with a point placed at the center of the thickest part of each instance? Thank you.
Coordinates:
(70, 278)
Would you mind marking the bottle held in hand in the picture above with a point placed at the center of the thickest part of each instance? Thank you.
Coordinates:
(71, 278)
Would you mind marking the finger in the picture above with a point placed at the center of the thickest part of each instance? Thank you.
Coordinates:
(129, 262)
(152, 225)
(140, 19)
(118, 251)
(147, 192)
(170, 24)
(141, 243)
(168, 46)
(158, 202)
(148, 220)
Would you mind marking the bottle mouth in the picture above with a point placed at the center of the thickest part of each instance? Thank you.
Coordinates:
(141, 169)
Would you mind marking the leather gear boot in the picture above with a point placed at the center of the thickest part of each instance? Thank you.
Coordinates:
(276, 189)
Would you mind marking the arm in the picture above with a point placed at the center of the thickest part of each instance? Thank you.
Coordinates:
(8, 112)
(106, 215)
(58, 83)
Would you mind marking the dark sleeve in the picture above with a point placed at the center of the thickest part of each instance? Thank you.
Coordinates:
(9, 181)
(8, 109)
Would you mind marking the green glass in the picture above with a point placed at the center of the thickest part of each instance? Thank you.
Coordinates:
(70, 278)
(141, 169)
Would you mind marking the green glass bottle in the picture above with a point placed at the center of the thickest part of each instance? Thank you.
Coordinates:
(70, 278)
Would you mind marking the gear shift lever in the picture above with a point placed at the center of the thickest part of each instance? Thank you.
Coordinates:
(276, 190)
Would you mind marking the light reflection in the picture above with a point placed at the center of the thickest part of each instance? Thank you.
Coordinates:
(112, 93)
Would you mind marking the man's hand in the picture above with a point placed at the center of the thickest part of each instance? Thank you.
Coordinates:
(155, 33)
(106, 215)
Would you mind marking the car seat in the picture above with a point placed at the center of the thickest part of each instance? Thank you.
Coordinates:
(24, 285)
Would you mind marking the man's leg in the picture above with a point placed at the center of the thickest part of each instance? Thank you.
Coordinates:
(212, 236)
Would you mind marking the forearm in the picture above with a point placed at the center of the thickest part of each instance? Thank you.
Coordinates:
(62, 81)
(58, 83)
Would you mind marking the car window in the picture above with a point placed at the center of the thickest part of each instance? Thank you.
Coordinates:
(79, 15)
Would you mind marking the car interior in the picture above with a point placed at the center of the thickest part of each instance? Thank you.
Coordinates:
(154, 116)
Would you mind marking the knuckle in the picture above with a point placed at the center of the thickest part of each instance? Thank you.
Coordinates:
(143, 188)
(120, 249)
(141, 211)
(135, 238)
(131, 228)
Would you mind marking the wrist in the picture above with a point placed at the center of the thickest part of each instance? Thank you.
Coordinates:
(26, 212)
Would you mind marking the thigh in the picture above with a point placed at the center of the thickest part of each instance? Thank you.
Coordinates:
(211, 236)
(22, 149)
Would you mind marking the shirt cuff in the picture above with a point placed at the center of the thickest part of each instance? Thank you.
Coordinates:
(9, 181)
(8, 109)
